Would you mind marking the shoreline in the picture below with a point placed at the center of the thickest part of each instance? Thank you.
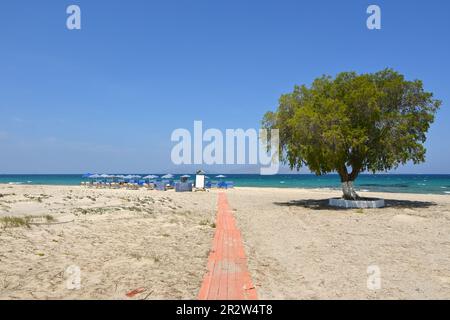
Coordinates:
(317, 189)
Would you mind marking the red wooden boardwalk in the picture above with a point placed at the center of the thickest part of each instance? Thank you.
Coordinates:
(227, 277)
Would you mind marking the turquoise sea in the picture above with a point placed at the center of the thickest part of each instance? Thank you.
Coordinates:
(430, 184)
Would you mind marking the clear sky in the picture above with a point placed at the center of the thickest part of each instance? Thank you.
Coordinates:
(107, 97)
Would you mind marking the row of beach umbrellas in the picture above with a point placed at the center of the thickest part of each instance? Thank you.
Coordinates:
(130, 177)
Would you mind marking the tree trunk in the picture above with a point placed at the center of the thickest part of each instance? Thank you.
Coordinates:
(349, 191)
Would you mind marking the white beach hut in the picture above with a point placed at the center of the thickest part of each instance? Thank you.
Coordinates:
(200, 179)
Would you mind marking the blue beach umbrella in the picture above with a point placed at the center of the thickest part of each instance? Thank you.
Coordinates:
(150, 177)
(94, 177)
(105, 177)
(120, 178)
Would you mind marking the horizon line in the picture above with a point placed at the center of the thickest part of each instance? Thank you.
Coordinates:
(210, 173)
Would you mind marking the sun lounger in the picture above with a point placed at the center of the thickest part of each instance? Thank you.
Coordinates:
(161, 186)
(183, 187)
(230, 184)
(223, 185)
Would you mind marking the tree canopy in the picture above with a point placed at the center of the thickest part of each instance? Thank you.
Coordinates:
(353, 123)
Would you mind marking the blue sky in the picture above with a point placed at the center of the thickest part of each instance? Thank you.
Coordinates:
(106, 98)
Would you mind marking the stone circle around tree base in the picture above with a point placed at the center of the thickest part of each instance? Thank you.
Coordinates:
(357, 204)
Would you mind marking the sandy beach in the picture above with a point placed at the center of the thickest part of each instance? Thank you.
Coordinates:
(298, 248)
(121, 240)
(158, 242)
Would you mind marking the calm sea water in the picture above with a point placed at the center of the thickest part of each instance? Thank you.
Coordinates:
(434, 184)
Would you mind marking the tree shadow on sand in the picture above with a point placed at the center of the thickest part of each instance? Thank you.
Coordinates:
(322, 204)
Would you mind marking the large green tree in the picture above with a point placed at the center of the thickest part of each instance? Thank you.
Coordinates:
(354, 123)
